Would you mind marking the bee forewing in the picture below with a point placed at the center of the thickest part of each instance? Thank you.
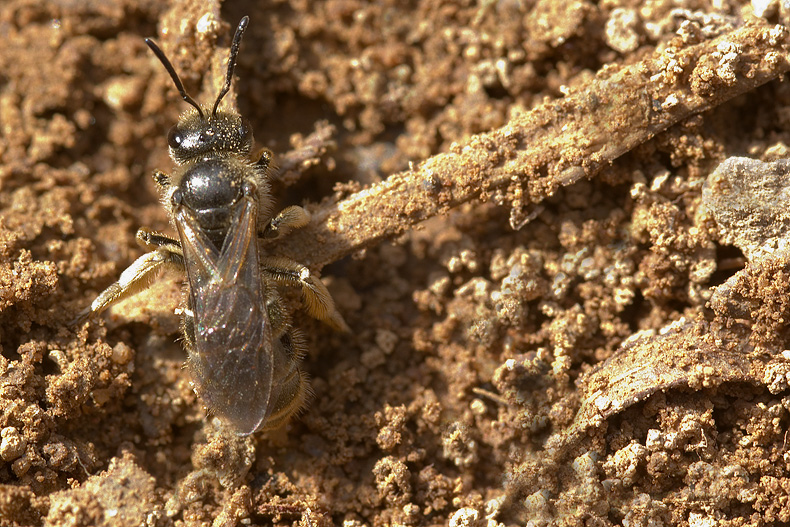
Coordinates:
(231, 363)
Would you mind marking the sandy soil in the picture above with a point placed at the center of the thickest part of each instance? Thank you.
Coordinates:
(555, 319)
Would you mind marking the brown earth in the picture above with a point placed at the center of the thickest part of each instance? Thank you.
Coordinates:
(548, 327)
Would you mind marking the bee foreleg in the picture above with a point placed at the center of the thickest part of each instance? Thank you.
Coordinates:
(153, 240)
(166, 253)
(289, 218)
(264, 159)
(318, 302)
(162, 180)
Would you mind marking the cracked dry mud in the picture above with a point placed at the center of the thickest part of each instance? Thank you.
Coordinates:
(556, 317)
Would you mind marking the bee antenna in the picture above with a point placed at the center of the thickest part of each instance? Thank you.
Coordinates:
(173, 75)
(234, 51)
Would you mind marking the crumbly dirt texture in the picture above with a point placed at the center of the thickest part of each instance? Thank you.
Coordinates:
(554, 317)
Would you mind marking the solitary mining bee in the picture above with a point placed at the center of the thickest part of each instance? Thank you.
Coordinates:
(242, 353)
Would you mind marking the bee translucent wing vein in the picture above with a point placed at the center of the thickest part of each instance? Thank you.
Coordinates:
(203, 256)
(237, 248)
(231, 364)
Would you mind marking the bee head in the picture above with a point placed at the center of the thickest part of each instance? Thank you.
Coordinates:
(201, 134)
(196, 137)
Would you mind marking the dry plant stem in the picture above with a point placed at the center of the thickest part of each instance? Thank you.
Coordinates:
(306, 153)
(553, 145)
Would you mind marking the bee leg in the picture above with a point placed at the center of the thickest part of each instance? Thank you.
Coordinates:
(265, 159)
(162, 180)
(294, 384)
(165, 252)
(318, 302)
(289, 349)
(152, 241)
(288, 219)
(278, 315)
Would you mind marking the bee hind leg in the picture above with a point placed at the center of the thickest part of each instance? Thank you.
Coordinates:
(165, 252)
(293, 382)
(318, 301)
(288, 219)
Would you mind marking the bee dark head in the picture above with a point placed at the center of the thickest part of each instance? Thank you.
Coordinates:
(201, 134)
(196, 137)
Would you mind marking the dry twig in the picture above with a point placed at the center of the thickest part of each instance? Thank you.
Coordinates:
(306, 153)
(553, 145)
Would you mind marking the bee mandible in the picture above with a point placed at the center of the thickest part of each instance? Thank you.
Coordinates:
(243, 355)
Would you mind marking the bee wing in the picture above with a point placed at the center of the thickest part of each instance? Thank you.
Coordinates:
(232, 360)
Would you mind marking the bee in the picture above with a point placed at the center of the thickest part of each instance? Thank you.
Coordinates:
(242, 353)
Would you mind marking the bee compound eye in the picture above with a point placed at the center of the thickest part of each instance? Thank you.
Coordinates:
(245, 130)
(175, 137)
